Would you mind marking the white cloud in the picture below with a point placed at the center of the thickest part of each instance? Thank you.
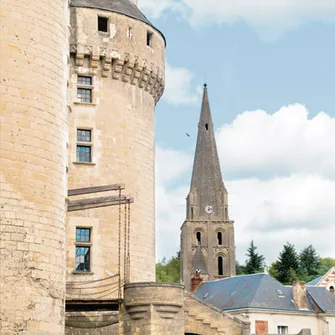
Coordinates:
(279, 172)
(178, 85)
(270, 18)
(286, 142)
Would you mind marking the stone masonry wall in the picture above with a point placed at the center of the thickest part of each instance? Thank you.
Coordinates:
(127, 81)
(33, 127)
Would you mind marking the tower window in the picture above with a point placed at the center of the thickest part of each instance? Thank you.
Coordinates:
(103, 24)
(206, 126)
(84, 145)
(84, 89)
(219, 238)
(226, 213)
(130, 32)
(198, 238)
(83, 246)
(149, 38)
(220, 266)
(192, 213)
(331, 289)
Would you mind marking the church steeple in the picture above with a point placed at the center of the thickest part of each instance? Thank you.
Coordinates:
(207, 235)
(207, 188)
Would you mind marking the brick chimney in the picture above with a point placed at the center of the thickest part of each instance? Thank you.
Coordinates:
(299, 294)
(195, 281)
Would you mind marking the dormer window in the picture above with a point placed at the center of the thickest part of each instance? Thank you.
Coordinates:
(103, 24)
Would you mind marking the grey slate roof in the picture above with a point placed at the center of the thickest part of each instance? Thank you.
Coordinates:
(125, 7)
(323, 298)
(314, 281)
(259, 291)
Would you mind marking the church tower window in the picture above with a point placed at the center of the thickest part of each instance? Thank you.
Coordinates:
(219, 238)
(331, 289)
(198, 238)
(220, 266)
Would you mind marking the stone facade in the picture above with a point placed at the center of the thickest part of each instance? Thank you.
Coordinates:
(127, 79)
(33, 122)
(207, 235)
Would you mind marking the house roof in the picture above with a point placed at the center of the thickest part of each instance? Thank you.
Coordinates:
(323, 298)
(258, 291)
(314, 281)
(125, 7)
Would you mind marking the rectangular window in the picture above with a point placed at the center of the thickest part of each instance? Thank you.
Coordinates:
(149, 38)
(83, 135)
(83, 249)
(84, 145)
(83, 235)
(282, 330)
(84, 89)
(84, 80)
(103, 24)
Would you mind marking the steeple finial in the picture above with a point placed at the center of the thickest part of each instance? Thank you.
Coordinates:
(205, 85)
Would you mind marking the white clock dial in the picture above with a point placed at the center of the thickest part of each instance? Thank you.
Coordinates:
(209, 209)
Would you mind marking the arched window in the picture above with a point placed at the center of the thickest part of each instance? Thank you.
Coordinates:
(206, 126)
(198, 238)
(219, 238)
(331, 289)
(220, 266)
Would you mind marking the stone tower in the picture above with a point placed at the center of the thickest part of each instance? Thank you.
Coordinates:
(116, 79)
(207, 235)
(33, 122)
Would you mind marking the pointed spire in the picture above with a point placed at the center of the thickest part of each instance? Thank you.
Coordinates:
(206, 187)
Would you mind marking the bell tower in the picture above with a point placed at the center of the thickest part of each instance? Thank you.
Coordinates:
(207, 235)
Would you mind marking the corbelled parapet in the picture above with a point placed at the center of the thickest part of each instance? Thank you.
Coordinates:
(152, 308)
(118, 65)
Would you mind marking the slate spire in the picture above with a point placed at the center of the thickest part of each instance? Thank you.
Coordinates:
(207, 188)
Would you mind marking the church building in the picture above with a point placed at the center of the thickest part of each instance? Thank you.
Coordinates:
(207, 235)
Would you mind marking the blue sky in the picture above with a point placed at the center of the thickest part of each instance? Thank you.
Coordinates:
(270, 70)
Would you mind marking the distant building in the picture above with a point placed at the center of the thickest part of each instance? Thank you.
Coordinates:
(271, 307)
(327, 281)
(207, 235)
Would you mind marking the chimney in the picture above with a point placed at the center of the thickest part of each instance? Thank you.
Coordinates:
(195, 281)
(299, 294)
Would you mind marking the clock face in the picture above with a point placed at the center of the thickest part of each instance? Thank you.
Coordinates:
(209, 209)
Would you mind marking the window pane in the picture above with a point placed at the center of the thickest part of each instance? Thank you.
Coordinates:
(82, 258)
(83, 135)
(83, 234)
(83, 153)
(84, 80)
(84, 94)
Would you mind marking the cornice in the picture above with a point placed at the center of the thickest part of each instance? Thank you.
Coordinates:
(121, 66)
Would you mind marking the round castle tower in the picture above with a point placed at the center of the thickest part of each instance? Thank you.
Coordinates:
(116, 79)
(33, 123)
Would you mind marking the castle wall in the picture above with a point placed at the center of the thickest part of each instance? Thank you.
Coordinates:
(127, 81)
(33, 122)
(152, 308)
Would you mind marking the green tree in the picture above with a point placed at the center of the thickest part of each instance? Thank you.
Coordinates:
(255, 262)
(168, 271)
(309, 263)
(286, 268)
(240, 269)
(325, 264)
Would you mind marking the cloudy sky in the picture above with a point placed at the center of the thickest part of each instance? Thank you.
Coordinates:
(270, 69)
